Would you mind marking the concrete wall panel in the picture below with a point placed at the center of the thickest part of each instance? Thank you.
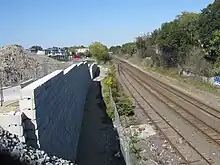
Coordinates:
(52, 110)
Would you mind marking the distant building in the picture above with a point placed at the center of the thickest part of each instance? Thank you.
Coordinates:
(82, 50)
(40, 52)
(55, 51)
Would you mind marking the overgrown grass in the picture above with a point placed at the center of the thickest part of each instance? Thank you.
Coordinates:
(174, 73)
(90, 61)
(123, 102)
(106, 96)
(192, 81)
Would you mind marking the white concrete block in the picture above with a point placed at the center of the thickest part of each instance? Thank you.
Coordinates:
(22, 139)
(37, 134)
(12, 123)
(69, 68)
(80, 63)
(15, 129)
(10, 118)
(25, 104)
(31, 114)
(92, 70)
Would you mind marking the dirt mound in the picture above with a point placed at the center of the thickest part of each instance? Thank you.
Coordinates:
(19, 65)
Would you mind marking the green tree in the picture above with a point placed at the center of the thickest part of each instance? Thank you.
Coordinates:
(215, 43)
(115, 49)
(36, 48)
(209, 22)
(176, 38)
(72, 51)
(99, 51)
(129, 48)
(88, 54)
(215, 47)
(145, 45)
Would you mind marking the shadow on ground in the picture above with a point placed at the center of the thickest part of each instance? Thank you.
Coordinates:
(98, 143)
(7, 159)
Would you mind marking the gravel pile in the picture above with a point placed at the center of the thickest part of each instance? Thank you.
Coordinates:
(16, 64)
(20, 65)
(10, 144)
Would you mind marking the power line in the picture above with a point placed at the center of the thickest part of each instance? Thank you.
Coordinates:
(1, 88)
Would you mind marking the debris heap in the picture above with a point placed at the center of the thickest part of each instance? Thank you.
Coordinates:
(10, 145)
(18, 65)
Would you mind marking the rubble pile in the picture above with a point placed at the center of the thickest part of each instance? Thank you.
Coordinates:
(18, 65)
(10, 144)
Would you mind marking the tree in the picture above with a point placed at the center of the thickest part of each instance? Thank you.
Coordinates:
(81, 54)
(145, 45)
(115, 49)
(129, 48)
(81, 46)
(36, 48)
(176, 38)
(99, 51)
(72, 50)
(215, 47)
(191, 40)
(88, 54)
(209, 22)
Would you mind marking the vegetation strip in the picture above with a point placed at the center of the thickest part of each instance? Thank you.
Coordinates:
(123, 102)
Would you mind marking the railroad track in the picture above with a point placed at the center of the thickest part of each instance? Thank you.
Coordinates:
(209, 131)
(212, 134)
(155, 123)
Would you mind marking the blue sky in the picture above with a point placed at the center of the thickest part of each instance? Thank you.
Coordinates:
(80, 22)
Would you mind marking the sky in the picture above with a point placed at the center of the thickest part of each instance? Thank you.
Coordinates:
(79, 22)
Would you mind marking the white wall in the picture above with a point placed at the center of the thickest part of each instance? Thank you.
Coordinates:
(93, 68)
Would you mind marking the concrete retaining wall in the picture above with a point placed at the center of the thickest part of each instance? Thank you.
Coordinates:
(24, 84)
(53, 108)
(12, 122)
(93, 69)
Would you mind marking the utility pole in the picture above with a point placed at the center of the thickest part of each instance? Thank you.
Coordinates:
(1, 87)
(45, 67)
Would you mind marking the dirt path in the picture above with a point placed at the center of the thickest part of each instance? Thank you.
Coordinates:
(97, 143)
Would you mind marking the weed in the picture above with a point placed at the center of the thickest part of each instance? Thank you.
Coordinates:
(123, 103)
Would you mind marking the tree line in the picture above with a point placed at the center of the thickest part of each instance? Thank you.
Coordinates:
(191, 41)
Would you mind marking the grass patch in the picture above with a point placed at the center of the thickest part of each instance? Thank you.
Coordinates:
(174, 73)
(192, 81)
(107, 96)
(90, 61)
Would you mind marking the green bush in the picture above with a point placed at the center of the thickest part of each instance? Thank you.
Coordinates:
(123, 103)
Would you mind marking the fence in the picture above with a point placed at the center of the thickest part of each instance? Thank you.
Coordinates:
(215, 81)
(123, 135)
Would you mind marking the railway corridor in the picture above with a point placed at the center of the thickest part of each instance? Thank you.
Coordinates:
(177, 116)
